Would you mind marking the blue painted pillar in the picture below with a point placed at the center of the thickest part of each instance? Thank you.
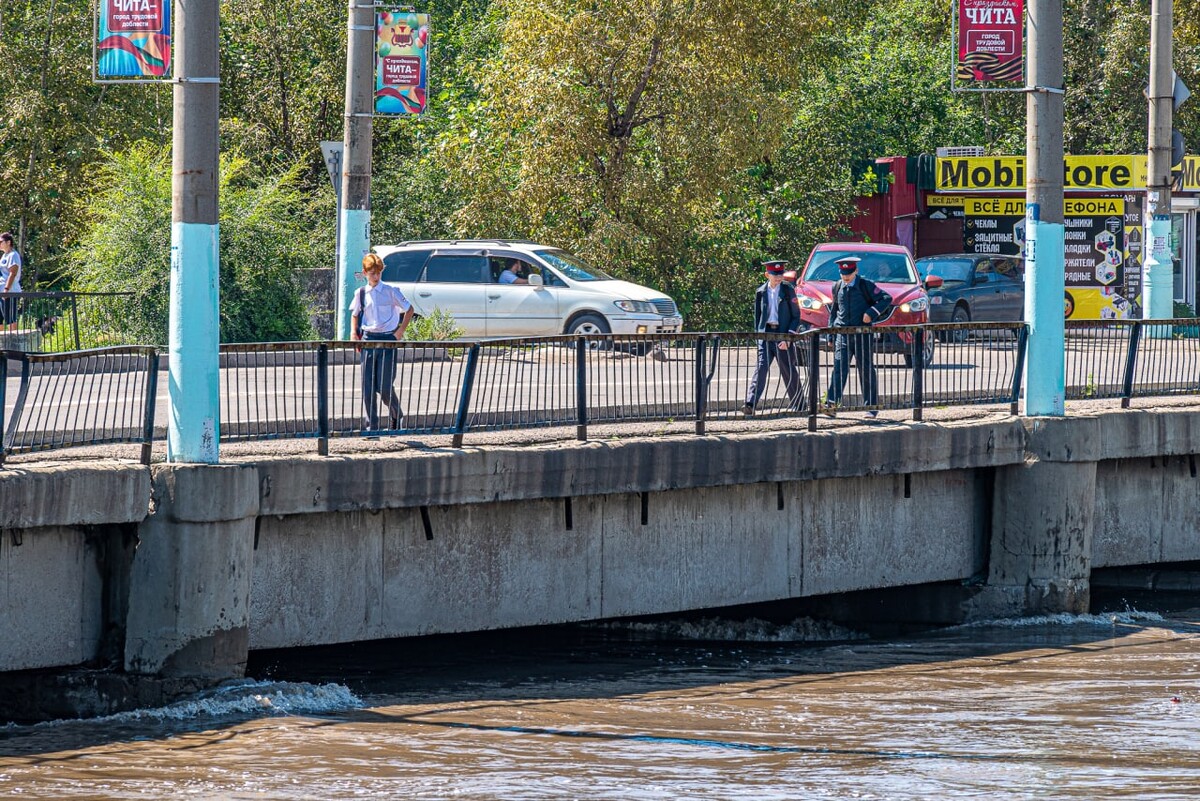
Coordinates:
(1045, 362)
(1158, 277)
(355, 243)
(193, 421)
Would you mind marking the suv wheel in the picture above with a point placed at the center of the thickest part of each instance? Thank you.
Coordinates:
(590, 324)
(930, 342)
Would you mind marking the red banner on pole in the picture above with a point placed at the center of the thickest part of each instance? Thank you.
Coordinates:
(990, 40)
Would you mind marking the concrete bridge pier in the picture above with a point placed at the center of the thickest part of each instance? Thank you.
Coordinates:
(189, 596)
(1043, 513)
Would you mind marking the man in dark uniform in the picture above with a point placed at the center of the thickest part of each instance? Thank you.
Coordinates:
(856, 301)
(776, 311)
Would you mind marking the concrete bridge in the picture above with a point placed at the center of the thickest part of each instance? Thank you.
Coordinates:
(169, 575)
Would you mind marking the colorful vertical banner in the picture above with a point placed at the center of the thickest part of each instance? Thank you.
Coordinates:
(990, 40)
(133, 40)
(401, 61)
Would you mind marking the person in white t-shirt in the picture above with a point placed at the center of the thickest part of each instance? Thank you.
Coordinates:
(379, 312)
(10, 280)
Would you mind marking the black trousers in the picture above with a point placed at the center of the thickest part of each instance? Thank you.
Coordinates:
(858, 346)
(788, 361)
(378, 379)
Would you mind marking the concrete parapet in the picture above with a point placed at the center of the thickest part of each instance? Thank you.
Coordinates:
(68, 495)
(316, 484)
(190, 584)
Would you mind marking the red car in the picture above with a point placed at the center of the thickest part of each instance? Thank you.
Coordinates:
(892, 269)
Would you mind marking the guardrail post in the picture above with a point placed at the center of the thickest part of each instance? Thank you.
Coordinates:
(918, 399)
(151, 404)
(75, 318)
(323, 399)
(464, 398)
(814, 376)
(3, 399)
(701, 383)
(1135, 337)
(1019, 372)
(581, 389)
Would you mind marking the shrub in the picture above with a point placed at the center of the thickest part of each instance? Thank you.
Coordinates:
(266, 236)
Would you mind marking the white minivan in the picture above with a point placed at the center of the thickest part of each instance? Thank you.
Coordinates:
(554, 292)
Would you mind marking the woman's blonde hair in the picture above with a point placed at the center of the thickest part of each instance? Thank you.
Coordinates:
(372, 262)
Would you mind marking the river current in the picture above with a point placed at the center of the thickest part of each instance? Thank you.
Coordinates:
(1065, 707)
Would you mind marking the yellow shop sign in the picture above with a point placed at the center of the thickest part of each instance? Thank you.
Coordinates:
(1008, 172)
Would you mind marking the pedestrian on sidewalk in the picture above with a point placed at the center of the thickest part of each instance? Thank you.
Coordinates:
(776, 311)
(379, 312)
(10, 281)
(855, 302)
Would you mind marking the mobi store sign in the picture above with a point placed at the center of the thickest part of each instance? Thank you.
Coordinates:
(990, 41)
(1093, 173)
(133, 41)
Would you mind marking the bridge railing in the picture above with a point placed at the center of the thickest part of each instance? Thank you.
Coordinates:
(88, 397)
(321, 390)
(56, 322)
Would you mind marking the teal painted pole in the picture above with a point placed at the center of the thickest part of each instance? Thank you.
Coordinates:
(355, 243)
(193, 419)
(356, 157)
(1158, 277)
(193, 423)
(1045, 365)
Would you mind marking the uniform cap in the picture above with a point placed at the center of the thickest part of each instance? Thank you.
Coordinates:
(775, 267)
(848, 264)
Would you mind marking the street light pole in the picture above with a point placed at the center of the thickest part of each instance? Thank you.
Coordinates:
(194, 341)
(1045, 371)
(1158, 285)
(355, 223)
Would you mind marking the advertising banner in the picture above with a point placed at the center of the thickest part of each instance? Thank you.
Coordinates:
(401, 61)
(133, 40)
(990, 40)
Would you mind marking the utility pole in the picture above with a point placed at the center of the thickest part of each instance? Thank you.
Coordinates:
(1158, 280)
(1045, 363)
(356, 164)
(193, 426)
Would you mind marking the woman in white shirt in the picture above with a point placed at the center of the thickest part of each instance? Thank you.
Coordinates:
(10, 280)
(379, 312)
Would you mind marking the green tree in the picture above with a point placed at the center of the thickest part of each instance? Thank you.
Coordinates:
(266, 232)
(615, 127)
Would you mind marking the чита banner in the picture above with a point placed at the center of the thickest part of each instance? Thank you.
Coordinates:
(401, 61)
(990, 40)
(133, 40)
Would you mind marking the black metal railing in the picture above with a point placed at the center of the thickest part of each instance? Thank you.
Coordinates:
(56, 322)
(89, 397)
(322, 390)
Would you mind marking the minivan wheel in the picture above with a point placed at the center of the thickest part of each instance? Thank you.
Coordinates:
(590, 324)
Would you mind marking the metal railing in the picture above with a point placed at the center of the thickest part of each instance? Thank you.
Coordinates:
(321, 390)
(88, 397)
(55, 322)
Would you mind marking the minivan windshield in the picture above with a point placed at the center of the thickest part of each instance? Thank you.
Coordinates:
(572, 266)
(880, 267)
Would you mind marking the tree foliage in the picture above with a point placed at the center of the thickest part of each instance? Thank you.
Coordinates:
(674, 142)
(266, 236)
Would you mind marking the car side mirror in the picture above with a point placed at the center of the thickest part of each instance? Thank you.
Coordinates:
(933, 282)
(535, 279)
